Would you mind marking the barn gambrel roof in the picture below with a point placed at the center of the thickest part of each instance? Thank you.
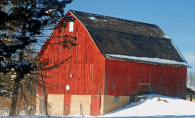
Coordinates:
(130, 40)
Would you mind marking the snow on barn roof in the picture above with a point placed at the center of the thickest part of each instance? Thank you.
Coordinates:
(115, 36)
(148, 60)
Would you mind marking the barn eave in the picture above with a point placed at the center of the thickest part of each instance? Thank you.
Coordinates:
(177, 64)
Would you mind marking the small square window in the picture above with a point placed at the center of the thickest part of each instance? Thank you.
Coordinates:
(116, 99)
(71, 26)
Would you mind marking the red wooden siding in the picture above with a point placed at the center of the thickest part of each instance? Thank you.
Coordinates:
(67, 98)
(86, 65)
(123, 78)
(95, 105)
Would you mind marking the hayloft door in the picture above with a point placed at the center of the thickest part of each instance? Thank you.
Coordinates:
(95, 105)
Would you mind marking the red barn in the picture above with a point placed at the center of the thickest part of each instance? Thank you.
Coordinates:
(113, 60)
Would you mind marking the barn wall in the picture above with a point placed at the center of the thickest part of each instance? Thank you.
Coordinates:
(121, 78)
(80, 104)
(83, 72)
(55, 104)
(108, 105)
(124, 78)
(188, 98)
(37, 104)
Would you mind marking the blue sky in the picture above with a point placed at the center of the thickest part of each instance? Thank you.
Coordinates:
(175, 17)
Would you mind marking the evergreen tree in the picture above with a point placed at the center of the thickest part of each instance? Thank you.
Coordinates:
(21, 21)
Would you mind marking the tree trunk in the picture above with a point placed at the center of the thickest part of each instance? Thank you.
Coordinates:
(43, 91)
(20, 75)
(15, 95)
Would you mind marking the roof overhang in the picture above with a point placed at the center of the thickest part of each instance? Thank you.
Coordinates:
(147, 60)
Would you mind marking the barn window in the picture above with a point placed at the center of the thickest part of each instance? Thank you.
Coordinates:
(116, 99)
(71, 26)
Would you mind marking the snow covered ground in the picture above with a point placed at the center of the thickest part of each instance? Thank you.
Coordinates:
(148, 108)
(173, 108)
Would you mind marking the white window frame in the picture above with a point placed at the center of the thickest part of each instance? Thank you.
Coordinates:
(71, 26)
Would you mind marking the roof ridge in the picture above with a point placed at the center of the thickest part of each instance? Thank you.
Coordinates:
(116, 18)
